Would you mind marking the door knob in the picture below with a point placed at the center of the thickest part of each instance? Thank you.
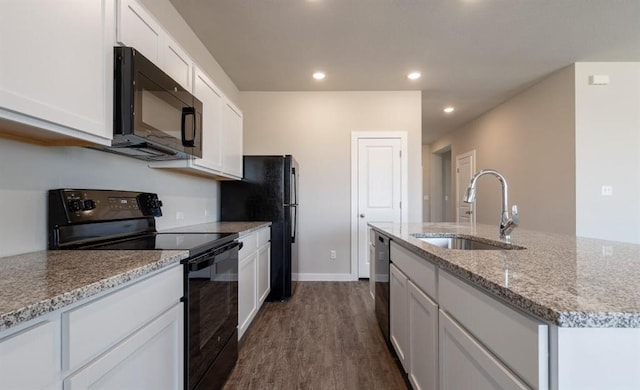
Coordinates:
(361, 215)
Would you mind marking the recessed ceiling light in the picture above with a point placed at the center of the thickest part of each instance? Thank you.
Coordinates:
(319, 75)
(414, 75)
(449, 109)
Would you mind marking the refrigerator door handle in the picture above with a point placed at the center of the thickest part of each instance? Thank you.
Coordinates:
(295, 185)
(294, 210)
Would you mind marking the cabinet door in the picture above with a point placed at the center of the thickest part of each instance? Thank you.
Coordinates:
(152, 358)
(138, 29)
(399, 315)
(56, 68)
(232, 140)
(466, 364)
(247, 292)
(211, 98)
(264, 273)
(30, 359)
(423, 340)
(176, 63)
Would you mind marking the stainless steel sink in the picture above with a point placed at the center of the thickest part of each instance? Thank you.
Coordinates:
(463, 243)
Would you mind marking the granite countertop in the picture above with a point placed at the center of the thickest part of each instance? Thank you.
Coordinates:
(220, 227)
(38, 283)
(566, 280)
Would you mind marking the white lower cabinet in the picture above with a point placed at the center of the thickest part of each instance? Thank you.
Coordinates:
(399, 314)
(30, 359)
(264, 272)
(466, 364)
(423, 340)
(254, 276)
(519, 341)
(151, 358)
(414, 330)
(247, 292)
(130, 338)
(450, 335)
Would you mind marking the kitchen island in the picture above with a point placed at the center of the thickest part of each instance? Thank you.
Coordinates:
(580, 296)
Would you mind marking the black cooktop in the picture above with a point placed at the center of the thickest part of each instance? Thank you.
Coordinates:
(195, 243)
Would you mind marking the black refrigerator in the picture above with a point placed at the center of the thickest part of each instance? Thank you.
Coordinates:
(268, 191)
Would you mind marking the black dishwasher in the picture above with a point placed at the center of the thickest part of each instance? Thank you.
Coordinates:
(381, 282)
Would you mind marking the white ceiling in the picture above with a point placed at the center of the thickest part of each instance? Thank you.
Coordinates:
(473, 54)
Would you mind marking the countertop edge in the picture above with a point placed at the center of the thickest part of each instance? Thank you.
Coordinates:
(241, 227)
(531, 307)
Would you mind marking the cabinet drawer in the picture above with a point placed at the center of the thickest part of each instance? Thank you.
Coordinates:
(521, 342)
(421, 272)
(249, 245)
(92, 328)
(264, 236)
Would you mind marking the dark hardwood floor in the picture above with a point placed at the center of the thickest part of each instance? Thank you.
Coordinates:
(325, 337)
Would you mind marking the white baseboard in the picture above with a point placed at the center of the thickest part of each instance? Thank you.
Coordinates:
(323, 277)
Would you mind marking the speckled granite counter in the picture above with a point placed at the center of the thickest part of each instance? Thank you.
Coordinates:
(38, 283)
(220, 227)
(568, 281)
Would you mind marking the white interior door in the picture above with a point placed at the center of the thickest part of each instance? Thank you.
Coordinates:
(379, 189)
(465, 168)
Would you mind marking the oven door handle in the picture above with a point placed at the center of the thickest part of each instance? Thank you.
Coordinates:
(208, 259)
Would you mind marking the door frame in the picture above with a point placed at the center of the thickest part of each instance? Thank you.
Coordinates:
(404, 183)
(471, 154)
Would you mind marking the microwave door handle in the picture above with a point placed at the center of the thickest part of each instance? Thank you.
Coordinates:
(186, 111)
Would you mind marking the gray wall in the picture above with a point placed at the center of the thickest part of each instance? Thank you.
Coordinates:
(608, 151)
(530, 139)
(28, 171)
(316, 128)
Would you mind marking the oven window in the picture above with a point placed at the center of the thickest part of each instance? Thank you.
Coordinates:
(213, 313)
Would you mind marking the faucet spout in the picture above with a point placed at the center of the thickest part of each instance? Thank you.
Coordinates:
(507, 223)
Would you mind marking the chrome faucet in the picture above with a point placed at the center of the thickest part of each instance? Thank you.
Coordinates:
(507, 224)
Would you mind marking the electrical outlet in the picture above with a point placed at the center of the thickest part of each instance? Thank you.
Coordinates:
(206, 212)
(179, 215)
(607, 191)
(332, 254)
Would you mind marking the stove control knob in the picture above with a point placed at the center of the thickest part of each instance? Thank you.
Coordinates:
(75, 205)
(89, 204)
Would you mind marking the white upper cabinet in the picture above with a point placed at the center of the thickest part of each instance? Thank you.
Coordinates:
(211, 99)
(56, 70)
(221, 135)
(138, 29)
(221, 119)
(232, 140)
(176, 63)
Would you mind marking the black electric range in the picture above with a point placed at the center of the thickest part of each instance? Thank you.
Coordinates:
(125, 220)
(195, 243)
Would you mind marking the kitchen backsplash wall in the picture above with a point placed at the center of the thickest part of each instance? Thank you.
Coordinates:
(27, 171)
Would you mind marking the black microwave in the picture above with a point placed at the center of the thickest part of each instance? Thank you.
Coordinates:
(154, 117)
